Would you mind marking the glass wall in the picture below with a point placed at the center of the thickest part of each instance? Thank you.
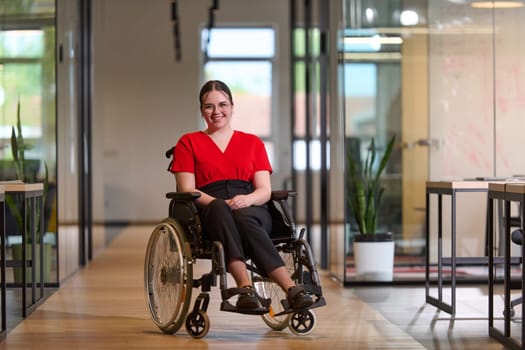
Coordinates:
(445, 78)
(372, 91)
(28, 107)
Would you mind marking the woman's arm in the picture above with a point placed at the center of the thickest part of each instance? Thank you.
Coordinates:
(263, 187)
(186, 183)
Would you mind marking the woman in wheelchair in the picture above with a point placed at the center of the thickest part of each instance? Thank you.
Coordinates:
(231, 171)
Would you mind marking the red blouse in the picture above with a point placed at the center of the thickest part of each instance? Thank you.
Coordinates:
(197, 153)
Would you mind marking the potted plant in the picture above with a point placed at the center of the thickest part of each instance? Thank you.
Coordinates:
(18, 148)
(373, 251)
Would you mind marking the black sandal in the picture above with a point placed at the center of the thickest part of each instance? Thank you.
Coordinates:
(298, 299)
(247, 299)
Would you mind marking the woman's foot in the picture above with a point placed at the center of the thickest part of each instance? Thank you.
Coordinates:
(298, 299)
(247, 299)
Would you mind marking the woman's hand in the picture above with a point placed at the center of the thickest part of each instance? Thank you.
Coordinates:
(261, 194)
(240, 201)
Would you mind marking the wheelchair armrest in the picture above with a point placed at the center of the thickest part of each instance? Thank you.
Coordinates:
(282, 195)
(186, 196)
(283, 225)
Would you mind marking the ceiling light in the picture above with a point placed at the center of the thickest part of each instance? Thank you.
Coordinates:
(496, 4)
(409, 18)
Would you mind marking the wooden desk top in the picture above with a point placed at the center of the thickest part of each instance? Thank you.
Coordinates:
(515, 188)
(17, 186)
(497, 187)
(458, 184)
(501, 186)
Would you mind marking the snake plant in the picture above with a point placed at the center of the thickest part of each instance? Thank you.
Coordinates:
(18, 149)
(366, 192)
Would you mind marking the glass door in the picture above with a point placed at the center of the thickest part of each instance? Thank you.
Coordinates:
(384, 65)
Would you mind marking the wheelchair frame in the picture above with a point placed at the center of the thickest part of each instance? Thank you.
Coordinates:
(177, 242)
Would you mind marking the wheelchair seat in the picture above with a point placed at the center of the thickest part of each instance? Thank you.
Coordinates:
(178, 241)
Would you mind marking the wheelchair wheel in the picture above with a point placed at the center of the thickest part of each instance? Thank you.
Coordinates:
(168, 275)
(302, 322)
(271, 290)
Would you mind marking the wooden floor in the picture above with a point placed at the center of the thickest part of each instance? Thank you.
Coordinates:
(103, 307)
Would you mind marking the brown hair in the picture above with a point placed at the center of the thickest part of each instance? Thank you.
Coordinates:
(218, 85)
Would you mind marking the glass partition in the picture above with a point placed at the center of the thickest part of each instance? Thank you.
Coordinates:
(372, 74)
(28, 115)
(28, 94)
(445, 78)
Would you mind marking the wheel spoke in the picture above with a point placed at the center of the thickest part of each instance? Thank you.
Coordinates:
(168, 276)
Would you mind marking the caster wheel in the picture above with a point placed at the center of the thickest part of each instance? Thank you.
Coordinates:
(198, 324)
(302, 322)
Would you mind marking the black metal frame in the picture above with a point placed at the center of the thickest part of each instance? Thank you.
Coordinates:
(3, 329)
(32, 210)
(453, 261)
(505, 336)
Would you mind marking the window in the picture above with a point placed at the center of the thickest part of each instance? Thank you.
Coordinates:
(21, 54)
(300, 143)
(27, 77)
(242, 58)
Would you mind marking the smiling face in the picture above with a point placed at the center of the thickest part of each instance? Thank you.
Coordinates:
(216, 109)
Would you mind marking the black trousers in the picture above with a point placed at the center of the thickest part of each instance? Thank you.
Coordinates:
(244, 233)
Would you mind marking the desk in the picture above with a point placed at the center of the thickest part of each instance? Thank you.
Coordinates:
(449, 188)
(30, 204)
(509, 192)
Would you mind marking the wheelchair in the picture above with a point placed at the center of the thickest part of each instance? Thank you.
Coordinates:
(177, 242)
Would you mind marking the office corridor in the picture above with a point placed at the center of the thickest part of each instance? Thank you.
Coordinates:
(103, 307)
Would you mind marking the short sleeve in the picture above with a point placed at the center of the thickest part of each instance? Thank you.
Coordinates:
(183, 156)
(261, 161)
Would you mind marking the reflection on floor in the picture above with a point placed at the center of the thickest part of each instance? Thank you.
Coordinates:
(14, 295)
(406, 308)
(411, 269)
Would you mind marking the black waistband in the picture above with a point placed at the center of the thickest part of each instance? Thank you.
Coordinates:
(226, 189)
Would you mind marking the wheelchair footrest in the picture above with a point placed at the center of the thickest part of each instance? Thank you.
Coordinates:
(319, 301)
(314, 290)
(227, 306)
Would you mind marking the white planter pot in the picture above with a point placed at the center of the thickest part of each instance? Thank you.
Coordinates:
(374, 261)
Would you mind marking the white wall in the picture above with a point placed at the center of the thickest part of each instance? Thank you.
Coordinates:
(143, 100)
